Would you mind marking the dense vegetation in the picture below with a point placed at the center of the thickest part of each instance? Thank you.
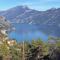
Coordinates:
(34, 50)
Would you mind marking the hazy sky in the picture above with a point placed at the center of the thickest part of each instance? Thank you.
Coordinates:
(34, 4)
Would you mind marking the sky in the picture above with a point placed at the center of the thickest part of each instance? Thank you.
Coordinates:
(33, 4)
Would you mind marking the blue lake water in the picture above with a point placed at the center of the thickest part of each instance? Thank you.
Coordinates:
(27, 32)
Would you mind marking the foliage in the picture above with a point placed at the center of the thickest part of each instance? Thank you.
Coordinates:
(34, 50)
(4, 49)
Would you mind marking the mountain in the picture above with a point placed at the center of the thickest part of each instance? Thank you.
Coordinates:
(19, 13)
(46, 21)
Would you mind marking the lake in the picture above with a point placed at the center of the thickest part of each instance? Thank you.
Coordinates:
(27, 32)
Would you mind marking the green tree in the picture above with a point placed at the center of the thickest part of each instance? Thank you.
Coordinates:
(15, 52)
(4, 49)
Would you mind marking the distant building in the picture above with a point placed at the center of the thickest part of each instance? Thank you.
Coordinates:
(11, 42)
(52, 41)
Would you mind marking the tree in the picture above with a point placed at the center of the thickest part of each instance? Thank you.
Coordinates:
(4, 49)
(15, 52)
